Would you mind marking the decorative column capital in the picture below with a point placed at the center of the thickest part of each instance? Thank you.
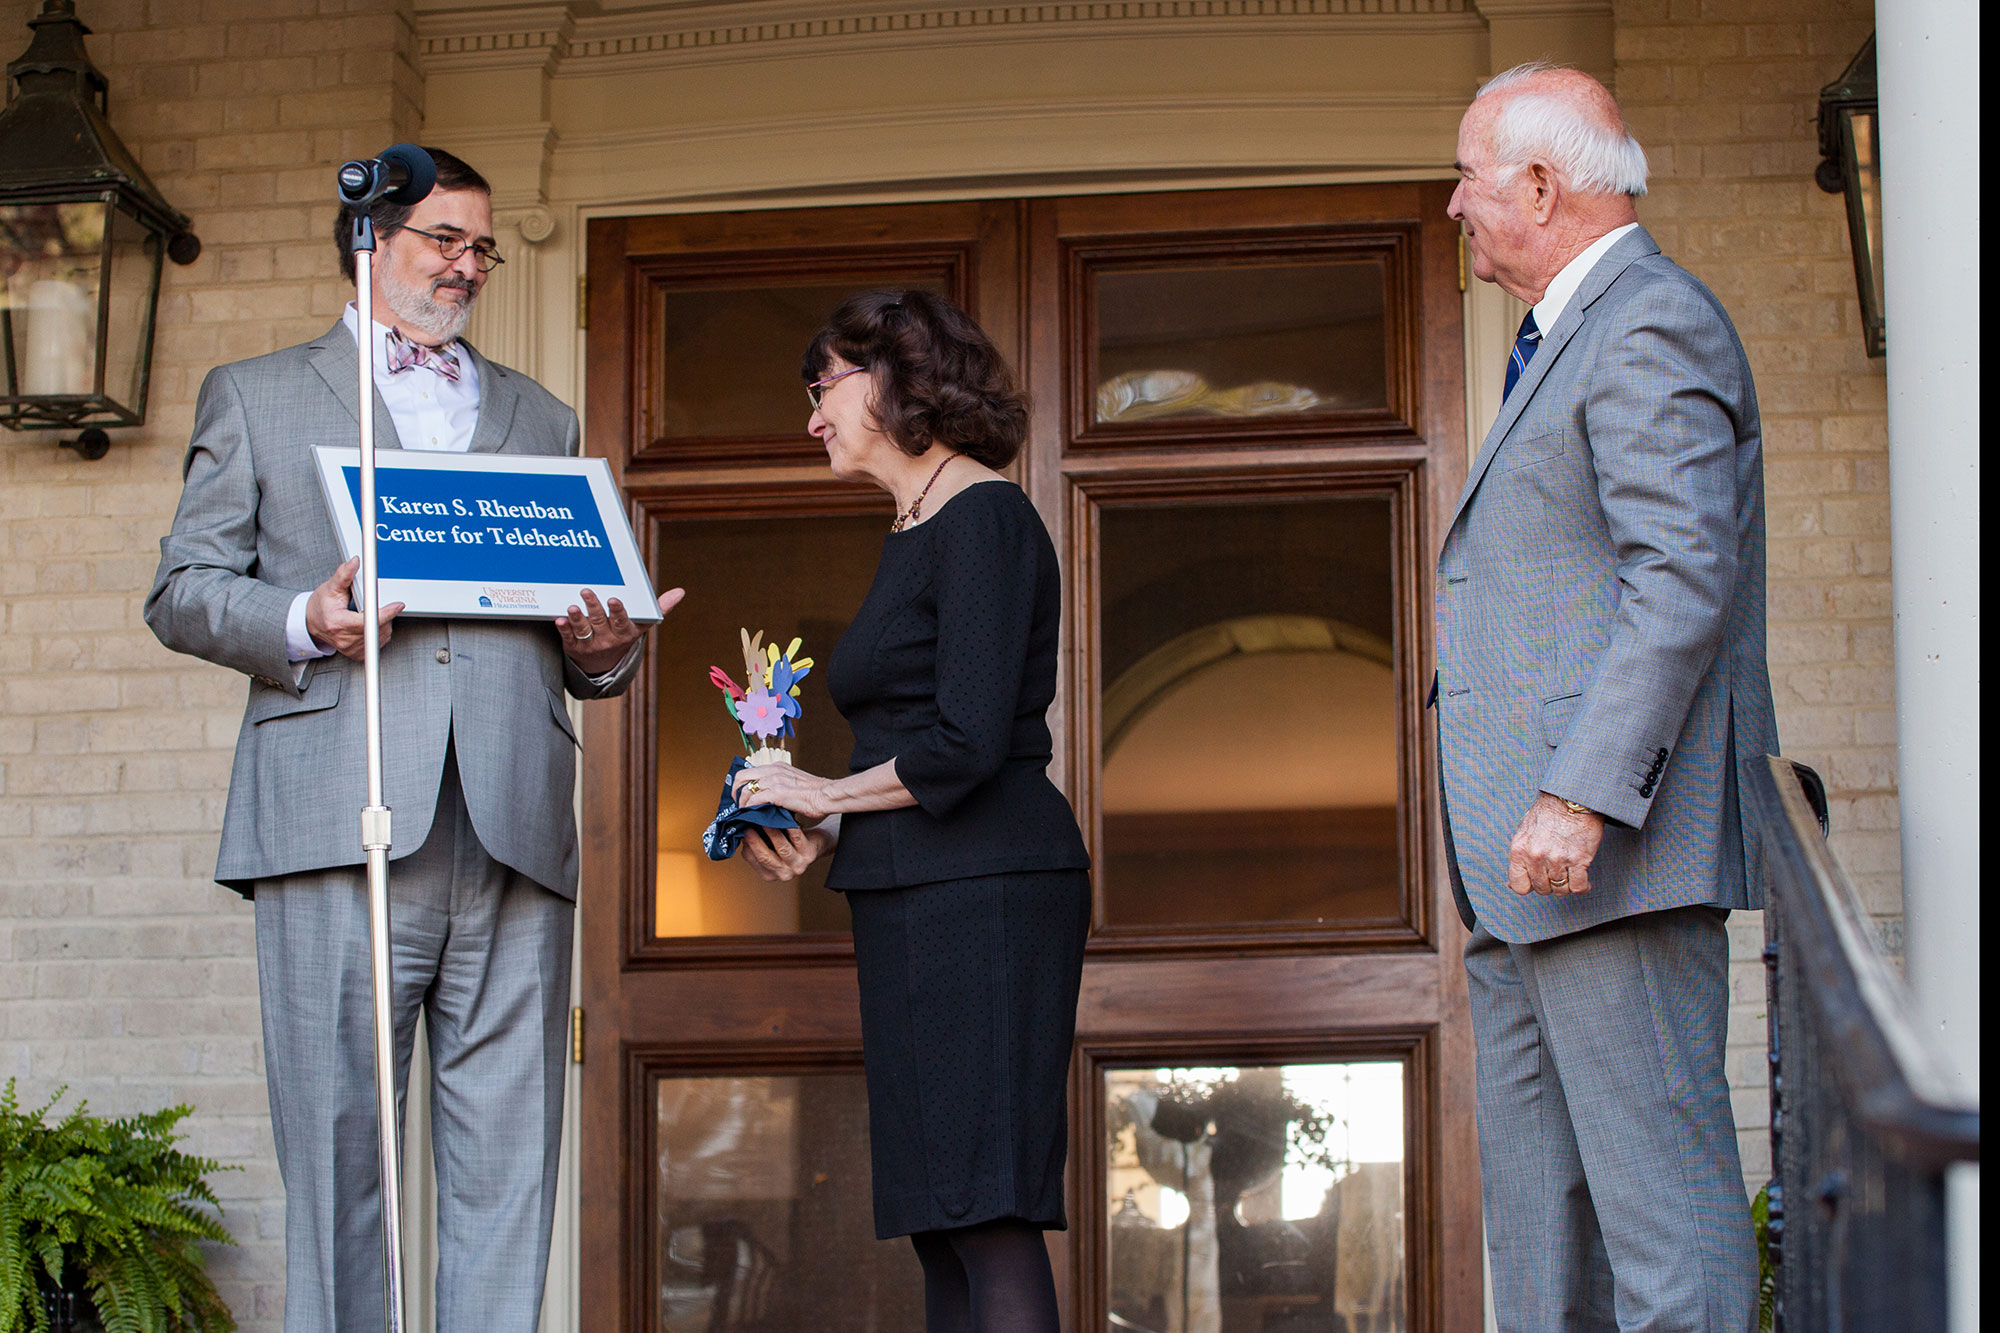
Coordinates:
(536, 223)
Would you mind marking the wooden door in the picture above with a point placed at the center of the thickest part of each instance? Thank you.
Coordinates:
(1247, 435)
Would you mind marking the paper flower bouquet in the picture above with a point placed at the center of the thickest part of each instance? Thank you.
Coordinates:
(764, 708)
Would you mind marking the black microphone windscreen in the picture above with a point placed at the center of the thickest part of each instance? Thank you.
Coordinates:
(419, 172)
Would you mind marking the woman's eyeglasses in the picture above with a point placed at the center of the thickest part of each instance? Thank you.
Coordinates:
(451, 247)
(816, 391)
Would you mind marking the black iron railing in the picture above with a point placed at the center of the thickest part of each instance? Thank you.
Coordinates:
(1863, 1121)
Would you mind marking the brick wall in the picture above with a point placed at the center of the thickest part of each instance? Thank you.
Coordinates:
(1723, 95)
(125, 973)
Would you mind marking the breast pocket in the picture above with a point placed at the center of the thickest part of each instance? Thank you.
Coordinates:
(1515, 454)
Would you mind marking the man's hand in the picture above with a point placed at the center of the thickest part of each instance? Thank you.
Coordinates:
(597, 637)
(330, 620)
(782, 854)
(1552, 851)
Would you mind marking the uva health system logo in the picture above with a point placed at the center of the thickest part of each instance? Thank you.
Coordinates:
(495, 597)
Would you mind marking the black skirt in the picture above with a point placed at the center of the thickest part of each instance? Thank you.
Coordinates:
(968, 1013)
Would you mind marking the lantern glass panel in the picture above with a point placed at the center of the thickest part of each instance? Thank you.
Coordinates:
(134, 259)
(51, 258)
(1864, 214)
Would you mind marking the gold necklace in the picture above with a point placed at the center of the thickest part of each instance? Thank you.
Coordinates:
(916, 508)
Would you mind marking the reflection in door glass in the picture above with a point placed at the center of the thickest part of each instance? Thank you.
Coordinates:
(1241, 341)
(730, 354)
(764, 1217)
(728, 564)
(1249, 716)
(1253, 1199)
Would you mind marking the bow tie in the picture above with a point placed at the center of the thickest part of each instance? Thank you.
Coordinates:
(406, 355)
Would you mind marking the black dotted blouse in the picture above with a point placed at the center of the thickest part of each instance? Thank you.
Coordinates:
(949, 668)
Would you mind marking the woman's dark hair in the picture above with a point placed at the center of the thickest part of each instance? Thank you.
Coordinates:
(938, 377)
(453, 174)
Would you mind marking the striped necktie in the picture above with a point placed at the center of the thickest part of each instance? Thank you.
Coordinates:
(1525, 343)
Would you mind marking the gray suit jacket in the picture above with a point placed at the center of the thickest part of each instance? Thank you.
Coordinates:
(1600, 606)
(252, 532)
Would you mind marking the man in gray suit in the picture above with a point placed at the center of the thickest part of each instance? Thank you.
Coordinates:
(479, 768)
(1601, 676)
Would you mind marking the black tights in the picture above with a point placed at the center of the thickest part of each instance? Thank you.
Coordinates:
(989, 1278)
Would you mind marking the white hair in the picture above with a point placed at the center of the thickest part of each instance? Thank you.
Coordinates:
(1592, 158)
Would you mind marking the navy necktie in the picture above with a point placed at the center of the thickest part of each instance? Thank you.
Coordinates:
(1525, 343)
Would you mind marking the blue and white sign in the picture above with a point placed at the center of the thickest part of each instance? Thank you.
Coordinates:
(490, 534)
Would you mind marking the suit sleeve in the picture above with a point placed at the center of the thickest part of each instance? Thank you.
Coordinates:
(985, 577)
(1663, 442)
(206, 598)
(619, 679)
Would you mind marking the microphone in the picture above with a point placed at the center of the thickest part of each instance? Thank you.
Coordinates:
(403, 174)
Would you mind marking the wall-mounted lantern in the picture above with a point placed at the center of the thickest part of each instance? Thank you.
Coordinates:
(82, 233)
(1850, 145)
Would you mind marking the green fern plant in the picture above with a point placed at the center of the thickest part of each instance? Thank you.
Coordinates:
(111, 1205)
(1767, 1276)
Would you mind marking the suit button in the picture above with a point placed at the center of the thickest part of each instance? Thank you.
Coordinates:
(444, 656)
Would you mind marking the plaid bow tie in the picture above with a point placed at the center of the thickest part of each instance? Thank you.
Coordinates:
(404, 355)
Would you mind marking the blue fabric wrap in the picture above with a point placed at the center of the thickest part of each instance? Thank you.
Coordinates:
(732, 821)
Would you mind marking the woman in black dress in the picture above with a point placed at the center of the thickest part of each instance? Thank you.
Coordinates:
(964, 871)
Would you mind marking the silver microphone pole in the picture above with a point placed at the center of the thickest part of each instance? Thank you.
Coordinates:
(361, 183)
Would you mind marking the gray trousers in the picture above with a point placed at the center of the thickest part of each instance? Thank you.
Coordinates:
(485, 953)
(1613, 1190)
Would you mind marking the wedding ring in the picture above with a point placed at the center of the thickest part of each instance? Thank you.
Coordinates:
(1558, 883)
(588, 633)
(752, 787)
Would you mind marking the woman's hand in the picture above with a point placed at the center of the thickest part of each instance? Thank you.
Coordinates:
(784, 786)
(783, 854)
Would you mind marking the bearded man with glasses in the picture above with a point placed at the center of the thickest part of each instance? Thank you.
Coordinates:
(479, 767)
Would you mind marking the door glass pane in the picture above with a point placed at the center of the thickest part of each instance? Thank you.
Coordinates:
(1249, 719)
(730, 362)
(1240, 341)
(765, 1217)
(733, 568)
(1255, 1198)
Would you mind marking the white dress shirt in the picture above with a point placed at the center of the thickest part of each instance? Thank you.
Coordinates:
(431, 413)
(1563, 286)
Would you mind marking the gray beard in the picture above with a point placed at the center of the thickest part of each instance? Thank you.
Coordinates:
(421, 310)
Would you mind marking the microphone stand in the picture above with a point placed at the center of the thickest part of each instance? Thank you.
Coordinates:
(360, 185)
(375, 815)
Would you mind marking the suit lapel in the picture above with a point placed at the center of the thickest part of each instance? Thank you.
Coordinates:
(497, 399)
(336, 359)
(1634, 246)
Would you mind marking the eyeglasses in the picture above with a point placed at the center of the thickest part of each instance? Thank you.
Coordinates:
(816, 391)
(451, 247)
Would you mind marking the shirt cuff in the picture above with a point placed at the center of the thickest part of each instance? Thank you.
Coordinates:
(299, 645)
(608, 677)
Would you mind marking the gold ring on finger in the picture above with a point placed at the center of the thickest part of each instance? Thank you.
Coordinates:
(1558, 883)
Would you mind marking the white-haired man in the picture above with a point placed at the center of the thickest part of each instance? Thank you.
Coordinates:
(1601, 675)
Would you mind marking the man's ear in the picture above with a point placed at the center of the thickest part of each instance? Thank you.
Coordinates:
(1547, 189)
